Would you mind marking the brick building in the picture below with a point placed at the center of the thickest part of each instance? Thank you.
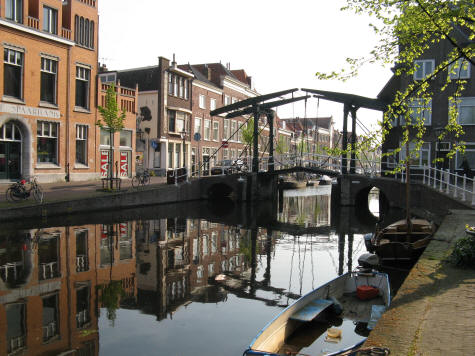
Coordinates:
(48, 90)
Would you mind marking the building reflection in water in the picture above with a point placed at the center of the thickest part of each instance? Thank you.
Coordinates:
(55, 282)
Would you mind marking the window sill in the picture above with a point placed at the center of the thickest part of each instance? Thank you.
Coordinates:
(45, 104)
(80, 166)
(47, 166)
(80, 109)
(11, 99)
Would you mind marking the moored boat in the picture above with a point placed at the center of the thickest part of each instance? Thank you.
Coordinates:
(307, 325)
(401, 242)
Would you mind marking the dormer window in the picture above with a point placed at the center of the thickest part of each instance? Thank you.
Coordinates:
(14, 10)
(424, 68)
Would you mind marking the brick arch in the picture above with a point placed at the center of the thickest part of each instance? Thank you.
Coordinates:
(27, 141)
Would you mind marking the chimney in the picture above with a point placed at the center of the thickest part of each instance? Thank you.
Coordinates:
(209, 73)
(174, 62)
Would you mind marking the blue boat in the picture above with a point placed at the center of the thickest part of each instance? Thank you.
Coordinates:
(309, 319)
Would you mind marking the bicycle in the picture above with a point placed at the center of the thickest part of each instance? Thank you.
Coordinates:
(19, 191)
(141, 178)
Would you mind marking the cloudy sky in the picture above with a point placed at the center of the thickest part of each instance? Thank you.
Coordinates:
(280, 43)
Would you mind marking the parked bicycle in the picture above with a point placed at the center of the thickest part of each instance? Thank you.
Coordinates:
(23, 189)
(141, 179)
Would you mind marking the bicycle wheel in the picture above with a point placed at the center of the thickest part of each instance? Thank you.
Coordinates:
(38, 194)
(11, 196)
(135, 182)
(146, 179)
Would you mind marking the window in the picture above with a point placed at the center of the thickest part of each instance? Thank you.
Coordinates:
(50, 20)
(466, 111)
(170, 155)
(181, 88)
(50, 318)
(108, 78)
(202, 102)
(197, 125)
(212, 104)
(234, 100)
(83, 76)
(419, 109)
(469, 155)
(186, 89)
(84, 32)
(225, 129)
(49, 70)
(176, 121)
(175, 85)
(170, 84)
(459, 69)
(171, 120)
(233, 130)
(47, 147)
(227, 100)
(14, 10)
(207, 128)
(126, 138)
(105, 137)
(81, 144)
(215, 130)
(421, 158)
(423, 68)
(12, 73)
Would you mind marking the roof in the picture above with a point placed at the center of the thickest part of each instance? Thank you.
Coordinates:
(147, 78)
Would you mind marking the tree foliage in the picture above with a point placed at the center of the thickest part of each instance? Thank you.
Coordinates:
(406, 30)
(112, 118)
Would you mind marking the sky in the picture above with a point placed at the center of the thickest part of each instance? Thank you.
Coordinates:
(281, 44)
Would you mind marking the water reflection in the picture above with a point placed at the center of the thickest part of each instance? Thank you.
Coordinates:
(210, 287)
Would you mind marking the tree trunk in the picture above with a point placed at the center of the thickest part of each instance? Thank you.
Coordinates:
(111, 152)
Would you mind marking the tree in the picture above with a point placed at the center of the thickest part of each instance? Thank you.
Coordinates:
(407, 29)
(112, 120)
(281, 147)
(247, 132)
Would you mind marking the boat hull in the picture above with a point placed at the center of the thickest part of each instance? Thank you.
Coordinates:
(273, 336)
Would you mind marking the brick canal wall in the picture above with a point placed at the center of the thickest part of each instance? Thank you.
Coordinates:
(433, 312)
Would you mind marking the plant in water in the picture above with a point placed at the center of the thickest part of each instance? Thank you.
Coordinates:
(463, 254)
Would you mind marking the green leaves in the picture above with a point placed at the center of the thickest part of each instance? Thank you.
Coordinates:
(112, 117)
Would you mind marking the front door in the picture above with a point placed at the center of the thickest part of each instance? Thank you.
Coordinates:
(10, 160)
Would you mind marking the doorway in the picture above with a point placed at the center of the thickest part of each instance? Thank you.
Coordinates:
(10, 151)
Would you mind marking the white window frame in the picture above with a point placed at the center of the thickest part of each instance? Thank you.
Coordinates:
(419, 107)
(16, 10)
(469, 147)
(197, 120)
(227, 100)
(212, 104)
(82, 135)
(460, 69)
(207, 129)
(81, 72)
(465, 102)
(426, 146)
(215, 130)
(50, 20)
(421, 70)
(202, 101)
(50, 67)
(15, 58)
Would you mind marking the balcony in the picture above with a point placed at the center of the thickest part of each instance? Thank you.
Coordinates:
(33, 22)
(82, 319)
(48, 271)
(82, 263)
(89, 2)
(49, 331)
(16, 343)
(126, 97)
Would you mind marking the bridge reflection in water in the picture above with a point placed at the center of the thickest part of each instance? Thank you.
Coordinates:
(64, 288)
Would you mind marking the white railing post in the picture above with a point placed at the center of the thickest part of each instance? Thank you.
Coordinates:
(434, 185)
(456, 181)
(441, 180)
(175, 172)
(424, 175)
(473, 192)
(464, 187)
(447, 190)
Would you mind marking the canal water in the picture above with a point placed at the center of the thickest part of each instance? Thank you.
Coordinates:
(193, 279)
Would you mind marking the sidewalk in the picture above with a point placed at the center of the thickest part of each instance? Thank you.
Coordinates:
(433, 313)
(59, 191)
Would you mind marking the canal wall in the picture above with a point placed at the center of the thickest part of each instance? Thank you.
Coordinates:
(433, 312)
